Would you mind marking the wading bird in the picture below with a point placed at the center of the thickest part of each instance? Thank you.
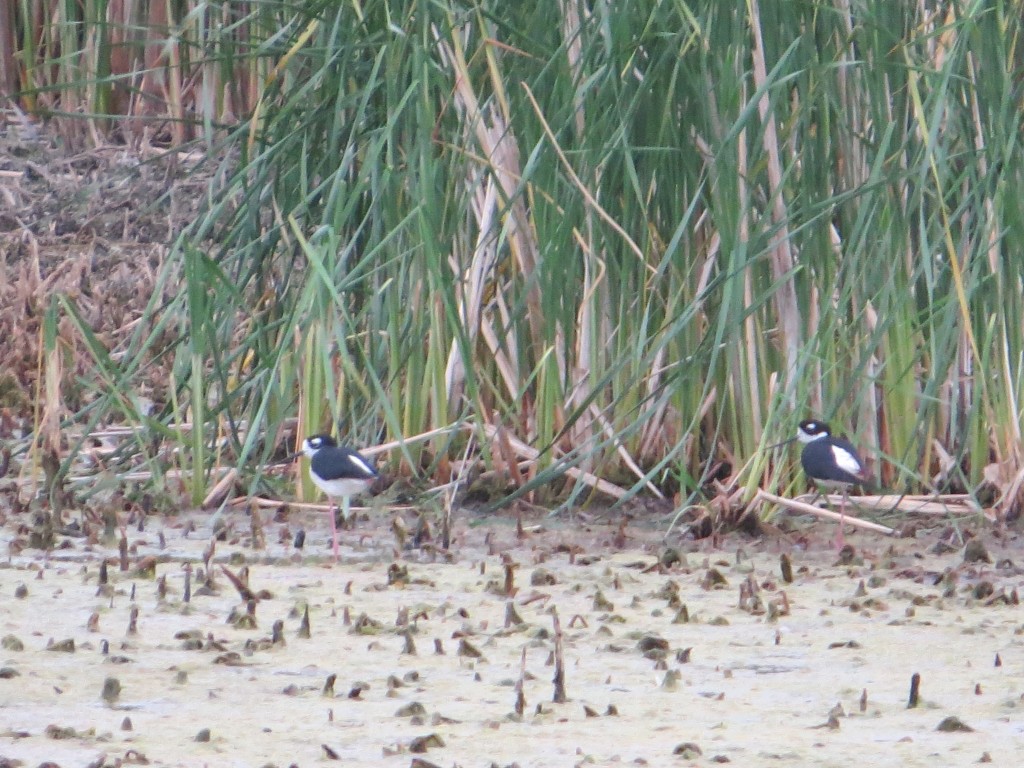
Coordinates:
(338, 472)
(831, 462)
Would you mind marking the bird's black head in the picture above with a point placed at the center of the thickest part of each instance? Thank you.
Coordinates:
(314, 443)
(812, 429)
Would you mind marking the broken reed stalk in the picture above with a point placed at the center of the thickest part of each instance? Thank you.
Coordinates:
(520, 685)
(256, 529)
(510, 578)
(446, 528)
(786, 565)
(915, 690)
(559, 678)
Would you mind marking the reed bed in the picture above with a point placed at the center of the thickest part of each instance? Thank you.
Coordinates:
(627, 244)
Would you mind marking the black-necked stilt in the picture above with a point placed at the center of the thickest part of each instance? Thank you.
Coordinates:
(338, 472)
(831, 462)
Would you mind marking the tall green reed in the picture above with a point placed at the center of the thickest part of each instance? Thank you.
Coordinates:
(645, 239)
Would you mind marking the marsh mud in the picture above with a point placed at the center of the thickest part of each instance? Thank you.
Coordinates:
(282, 657)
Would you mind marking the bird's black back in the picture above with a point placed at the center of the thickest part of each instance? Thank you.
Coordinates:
(335, 463)
(818, 461)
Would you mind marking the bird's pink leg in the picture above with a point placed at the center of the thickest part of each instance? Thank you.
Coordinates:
(840, 541)
(334, 530)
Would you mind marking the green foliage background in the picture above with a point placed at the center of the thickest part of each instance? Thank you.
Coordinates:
(643, 237)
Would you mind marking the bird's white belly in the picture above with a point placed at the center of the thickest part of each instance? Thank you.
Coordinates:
(346, 486)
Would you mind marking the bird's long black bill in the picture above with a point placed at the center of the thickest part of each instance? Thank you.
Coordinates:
(286, 460)
(779, 445)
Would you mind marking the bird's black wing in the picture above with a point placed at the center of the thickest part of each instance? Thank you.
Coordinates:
(834, 461)
(342, 464)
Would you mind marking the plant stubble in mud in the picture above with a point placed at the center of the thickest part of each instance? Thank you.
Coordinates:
(283, 658)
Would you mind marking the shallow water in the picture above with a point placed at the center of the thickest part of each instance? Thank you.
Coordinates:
(754, 691)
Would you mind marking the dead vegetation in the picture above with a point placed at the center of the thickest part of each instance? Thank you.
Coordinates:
(94, 226)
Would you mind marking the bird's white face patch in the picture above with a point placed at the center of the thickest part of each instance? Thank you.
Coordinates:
(809, 437)
(846, 460)
(311, 445)
(361, 465)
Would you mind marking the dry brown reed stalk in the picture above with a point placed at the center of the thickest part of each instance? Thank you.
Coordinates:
(782, 261)
(155, 71)
(8, 47)
(800, 506)
(498, 145)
